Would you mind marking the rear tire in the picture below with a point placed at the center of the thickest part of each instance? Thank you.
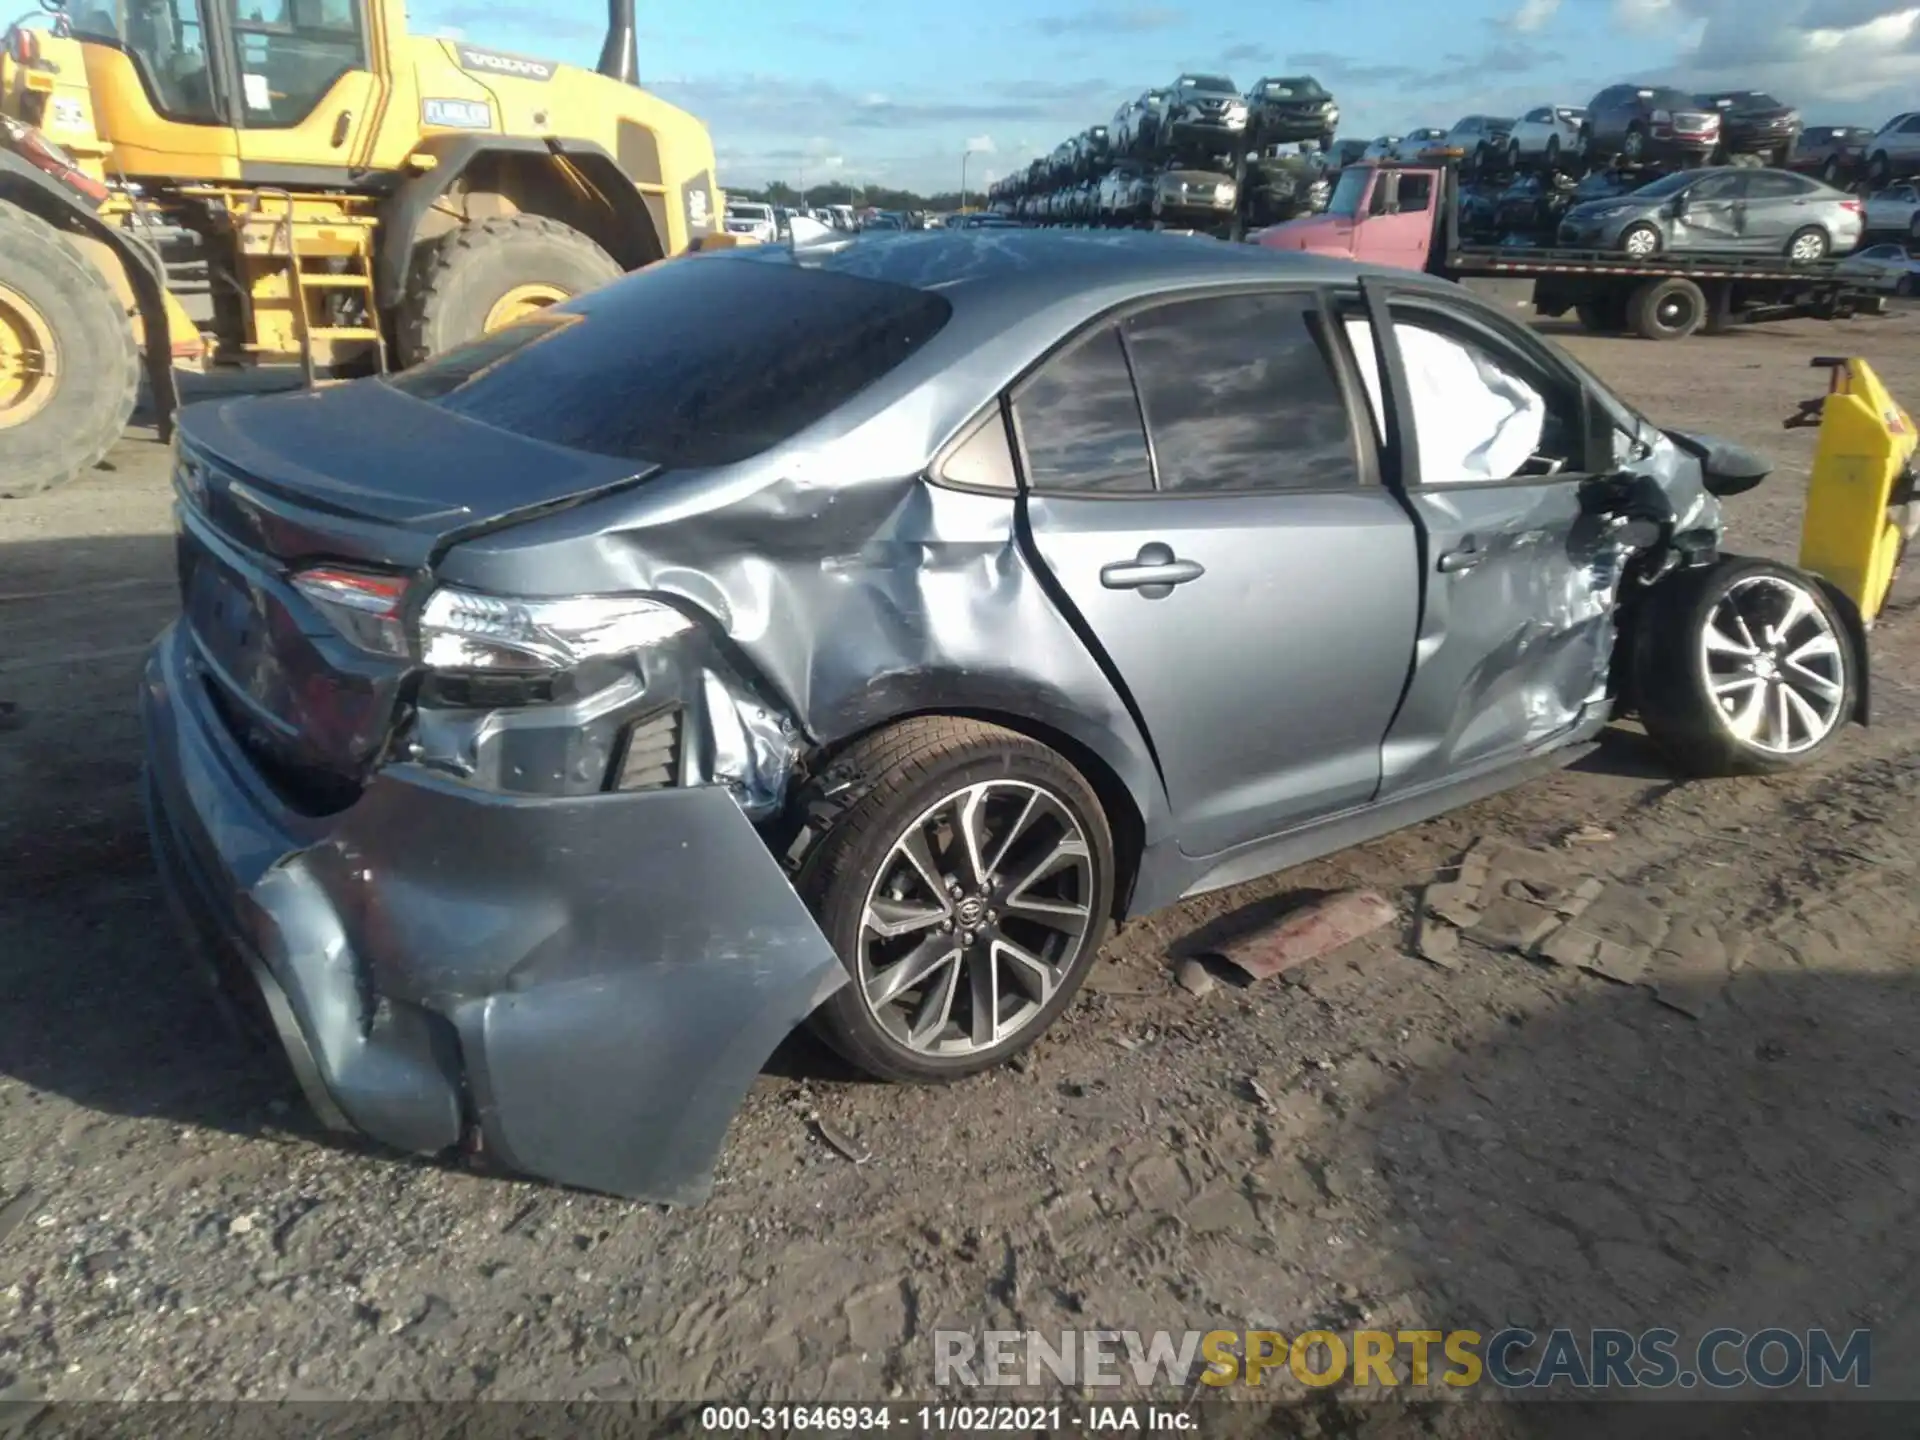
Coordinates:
(1809, 244)
(1671, 308)
(58, 313)
(858, 870)
(1688, 669)
(465, 275)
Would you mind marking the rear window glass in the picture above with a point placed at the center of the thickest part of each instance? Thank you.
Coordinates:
(705, 360)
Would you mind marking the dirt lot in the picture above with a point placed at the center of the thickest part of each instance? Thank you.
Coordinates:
(1503, 1142)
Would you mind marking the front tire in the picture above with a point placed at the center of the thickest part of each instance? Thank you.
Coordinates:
(1640, 242)
(482, 276)
(1743, 667)
(69, 368)
(968, 891)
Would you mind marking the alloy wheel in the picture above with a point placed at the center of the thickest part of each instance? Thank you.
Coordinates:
(975, 918)
(1640, 242)
(1810, 246)
(1774, 665)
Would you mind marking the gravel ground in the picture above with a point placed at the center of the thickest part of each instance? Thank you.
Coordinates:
(1368, 1140)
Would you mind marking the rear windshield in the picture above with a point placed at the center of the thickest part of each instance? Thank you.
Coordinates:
(704, 360)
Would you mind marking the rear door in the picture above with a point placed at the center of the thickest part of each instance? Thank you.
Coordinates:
(1777, 204)
(1715, 215)
(1486, 434)
(1249, 583)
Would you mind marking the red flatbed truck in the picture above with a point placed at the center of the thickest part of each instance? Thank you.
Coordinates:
(1408, 215)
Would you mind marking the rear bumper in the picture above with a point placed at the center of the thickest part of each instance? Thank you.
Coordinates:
(584, 987)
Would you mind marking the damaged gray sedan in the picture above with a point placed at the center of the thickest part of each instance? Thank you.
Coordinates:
(853, 634)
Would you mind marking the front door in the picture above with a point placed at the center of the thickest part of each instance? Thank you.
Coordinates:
(1398, 229)
(1516, 629)
(1714, 214)
(304, 86)
(1252, 586)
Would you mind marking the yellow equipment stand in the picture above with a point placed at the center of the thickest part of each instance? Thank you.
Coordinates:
(1861, 509)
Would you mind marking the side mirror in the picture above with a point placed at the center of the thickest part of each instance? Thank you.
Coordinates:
(1680, 204)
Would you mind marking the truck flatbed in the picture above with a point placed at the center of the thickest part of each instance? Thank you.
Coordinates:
(1380, 217)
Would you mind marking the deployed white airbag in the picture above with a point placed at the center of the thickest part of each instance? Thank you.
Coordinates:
(1472, 419)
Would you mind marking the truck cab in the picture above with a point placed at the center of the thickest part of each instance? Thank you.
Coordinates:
(1379, 215)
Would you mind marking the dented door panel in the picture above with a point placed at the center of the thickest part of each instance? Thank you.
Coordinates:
(1514, 648)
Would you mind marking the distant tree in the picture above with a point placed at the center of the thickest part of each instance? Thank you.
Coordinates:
(839, 192)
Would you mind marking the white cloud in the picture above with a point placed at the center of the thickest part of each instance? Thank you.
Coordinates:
(1533, 15)
(981, 145)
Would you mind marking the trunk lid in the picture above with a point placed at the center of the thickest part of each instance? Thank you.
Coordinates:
(365, 473)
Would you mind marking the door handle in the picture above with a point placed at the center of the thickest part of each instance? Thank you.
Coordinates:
(342, 126)
(1453, 562)
(1153, 572)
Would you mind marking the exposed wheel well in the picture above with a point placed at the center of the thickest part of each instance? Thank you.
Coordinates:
(584, 192)
(1123, 816)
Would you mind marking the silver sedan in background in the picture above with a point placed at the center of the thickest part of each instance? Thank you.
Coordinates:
(1724, 208)
(1884, 267)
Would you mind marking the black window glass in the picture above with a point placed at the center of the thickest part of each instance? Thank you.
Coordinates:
(703, 360)
(1776, 185)
(1239, 394)
(291, 53)
(1080, 422)
(1719, 187)
(168, 46)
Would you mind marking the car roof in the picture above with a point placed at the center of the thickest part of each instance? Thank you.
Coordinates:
(970, 269)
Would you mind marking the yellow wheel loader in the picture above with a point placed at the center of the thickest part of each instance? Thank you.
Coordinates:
(189, 184)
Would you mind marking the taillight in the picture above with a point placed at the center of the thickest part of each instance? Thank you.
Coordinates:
(24, 46)
(368, 609)
(1854, 205)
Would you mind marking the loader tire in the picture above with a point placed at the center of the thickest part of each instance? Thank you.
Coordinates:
(466, 276)
(60, 421)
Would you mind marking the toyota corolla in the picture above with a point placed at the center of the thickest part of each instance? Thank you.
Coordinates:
(850, 633)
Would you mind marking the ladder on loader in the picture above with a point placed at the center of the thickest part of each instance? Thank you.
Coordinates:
(324, 253)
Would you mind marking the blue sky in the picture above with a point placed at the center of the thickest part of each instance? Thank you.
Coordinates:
(893, 94)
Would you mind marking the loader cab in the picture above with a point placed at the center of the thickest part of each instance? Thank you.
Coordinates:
(254, 91)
